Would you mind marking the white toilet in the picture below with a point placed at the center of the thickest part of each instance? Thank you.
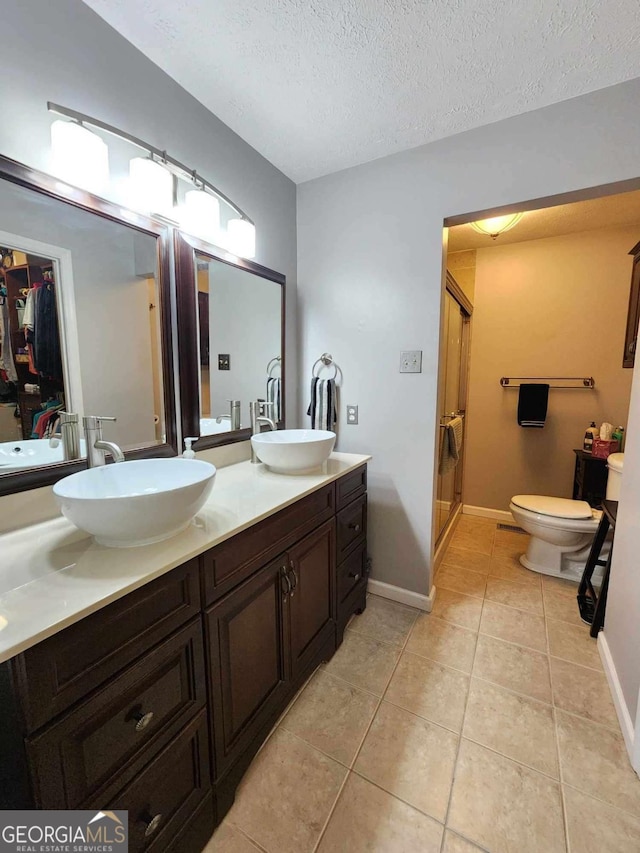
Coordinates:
(562, 530)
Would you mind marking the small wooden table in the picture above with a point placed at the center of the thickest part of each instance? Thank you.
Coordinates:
(592, 605)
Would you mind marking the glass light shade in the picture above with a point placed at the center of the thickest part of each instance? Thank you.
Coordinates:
(496, 224)
(201, 215)
(150, 186)
(80, 157)
(241, 238)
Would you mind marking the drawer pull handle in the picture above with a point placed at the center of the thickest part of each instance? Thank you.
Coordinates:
(355, 575)
(152, 823)
(355, 526)
(284, 579)
(142, 720)
(294, 585)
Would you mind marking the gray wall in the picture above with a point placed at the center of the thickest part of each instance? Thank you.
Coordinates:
(369, 270)
(65, 53)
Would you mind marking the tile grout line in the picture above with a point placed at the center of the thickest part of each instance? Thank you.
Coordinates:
(563, 803)
(358, 750)
(460, 736)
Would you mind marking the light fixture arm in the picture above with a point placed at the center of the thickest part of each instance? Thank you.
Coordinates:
(172, 164)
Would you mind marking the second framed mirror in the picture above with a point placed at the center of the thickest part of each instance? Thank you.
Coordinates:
(231, 341)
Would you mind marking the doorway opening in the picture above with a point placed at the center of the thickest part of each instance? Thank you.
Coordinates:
(557, 295)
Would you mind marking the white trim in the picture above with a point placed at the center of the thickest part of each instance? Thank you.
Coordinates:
(67, 322)
(403, 596)
(485, 512)
(624, 717)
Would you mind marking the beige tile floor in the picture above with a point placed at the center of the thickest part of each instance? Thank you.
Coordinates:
(485, 725)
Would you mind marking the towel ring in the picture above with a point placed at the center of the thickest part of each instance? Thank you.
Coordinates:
(325, 360)
(275, 362)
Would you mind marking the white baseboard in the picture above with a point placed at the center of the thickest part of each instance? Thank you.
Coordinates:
(402, 596)
(624, 717)
(485, 512)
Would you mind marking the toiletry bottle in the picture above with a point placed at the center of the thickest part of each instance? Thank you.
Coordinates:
(591, 433)
(189, 453)
(618, 435)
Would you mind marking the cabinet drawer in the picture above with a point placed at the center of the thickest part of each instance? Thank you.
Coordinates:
(352, 526)
(165, 794)
(351, 572)
(231, 562)
(351, 486)
(65, 668)
(96, 748)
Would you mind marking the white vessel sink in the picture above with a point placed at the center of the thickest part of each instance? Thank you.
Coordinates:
(138, 502)
(294, 451)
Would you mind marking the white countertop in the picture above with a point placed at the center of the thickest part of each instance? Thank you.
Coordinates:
(52, 574)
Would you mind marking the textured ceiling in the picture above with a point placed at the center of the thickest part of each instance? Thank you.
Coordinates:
(612, 211)
(320, 85)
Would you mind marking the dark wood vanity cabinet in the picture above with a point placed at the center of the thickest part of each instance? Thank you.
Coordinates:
(158, 702)
(633, 314)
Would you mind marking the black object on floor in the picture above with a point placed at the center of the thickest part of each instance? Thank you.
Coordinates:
(533, 399)
(592, 604)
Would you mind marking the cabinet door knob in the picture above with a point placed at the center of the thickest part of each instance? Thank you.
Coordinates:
(142, 719)
(355, 525)
(632, 346)
(152, 822)
(354, 575)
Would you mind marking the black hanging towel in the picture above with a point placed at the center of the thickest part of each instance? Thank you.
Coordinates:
(532, 404)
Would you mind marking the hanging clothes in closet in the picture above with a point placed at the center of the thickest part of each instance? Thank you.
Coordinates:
(47, 355)
(6, 352)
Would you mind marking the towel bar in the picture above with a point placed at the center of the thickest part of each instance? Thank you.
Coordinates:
(515, 381)
(326, 360)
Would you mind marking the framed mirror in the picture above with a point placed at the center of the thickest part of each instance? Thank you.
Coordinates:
(85, 327)
(230, 341)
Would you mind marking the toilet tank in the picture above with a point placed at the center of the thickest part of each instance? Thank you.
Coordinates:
(615, 463)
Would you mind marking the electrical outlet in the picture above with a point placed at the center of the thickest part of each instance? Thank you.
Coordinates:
(411, 361)
(352, 414)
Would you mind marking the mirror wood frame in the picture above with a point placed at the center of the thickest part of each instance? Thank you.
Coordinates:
(186, 250)
(32, 179)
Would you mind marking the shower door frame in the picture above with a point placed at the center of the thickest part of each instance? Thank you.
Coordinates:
(466, 309)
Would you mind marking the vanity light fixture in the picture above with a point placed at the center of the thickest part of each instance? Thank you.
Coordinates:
(79, 156)
(151, 186)
(201, 208)
(201, 215)
(496, 225)
(241, 238)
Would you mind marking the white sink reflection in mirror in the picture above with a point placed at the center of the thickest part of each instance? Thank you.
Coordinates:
(18, 455)
(138, 502)
(294, 451)
(209, 426)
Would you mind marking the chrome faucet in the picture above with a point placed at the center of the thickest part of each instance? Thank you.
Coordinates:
(96, 445)
(256, 413)
(68, 435)
(234, 415)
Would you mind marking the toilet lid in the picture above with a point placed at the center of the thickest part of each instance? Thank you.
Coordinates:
(557, 507)
(615, 461)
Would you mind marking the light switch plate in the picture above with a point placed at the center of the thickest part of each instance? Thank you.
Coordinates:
(352, 414)
(411, 361)
(224, 361)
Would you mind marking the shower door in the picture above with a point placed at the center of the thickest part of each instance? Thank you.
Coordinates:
(452, 395)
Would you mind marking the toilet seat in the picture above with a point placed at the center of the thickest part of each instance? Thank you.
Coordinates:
(554, 507)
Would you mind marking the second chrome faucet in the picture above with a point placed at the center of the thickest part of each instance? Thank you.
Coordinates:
(256, 412)
(96, 445)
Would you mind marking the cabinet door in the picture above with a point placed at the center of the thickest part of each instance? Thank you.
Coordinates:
(248, 660)
(312, 598)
